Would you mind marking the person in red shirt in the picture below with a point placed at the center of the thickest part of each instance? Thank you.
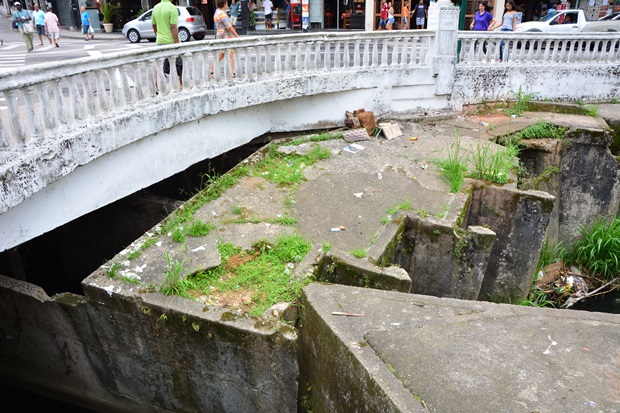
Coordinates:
(384, 15)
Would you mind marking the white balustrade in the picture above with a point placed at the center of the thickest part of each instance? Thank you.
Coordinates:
(47, 101)
(535, 48)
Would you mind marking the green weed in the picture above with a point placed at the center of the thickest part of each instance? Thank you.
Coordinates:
(598, 248)
(454, 168)
(359, 252)
(592, 110)
(521, 104)
(173, 283)
(494, 165)
(541, 130)
(262, 273)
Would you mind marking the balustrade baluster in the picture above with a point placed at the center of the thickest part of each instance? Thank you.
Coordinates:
(308, 56)
(102, 96)
(299, 49)
(327, 55)
(288, 63)
(75, 101)
(88, 98)
(356, 53)
(268, 56)
(151, 76)
(189, 71)
(247, 63)
(15, 118)
(260, 70)
(366, 57)
(337, 58)
(384, 53)
(375, 53)
(317, 55)
(346, 61)
(61, 108)
(396, 52)
(417, 58)
(277, 67)
(33, 116)
(403, 52)
(139, 71)
(127, 85)
(49, 119)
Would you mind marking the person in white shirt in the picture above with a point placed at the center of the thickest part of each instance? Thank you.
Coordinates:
(268, 6)
(52, 25)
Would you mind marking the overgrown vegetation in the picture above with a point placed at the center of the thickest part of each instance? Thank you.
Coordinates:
(540, 130)
(453, 169)
(250, 280)
(494, 165)
(521, 102)
(587, 267)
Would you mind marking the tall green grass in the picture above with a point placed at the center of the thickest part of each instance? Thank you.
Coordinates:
(494, 164)
(453, 169)
(598, 248)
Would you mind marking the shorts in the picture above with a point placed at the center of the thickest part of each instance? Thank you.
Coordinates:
(405, 21)
(420, 21)
(233, 19)
(268, 16)
(391, 20)
(54, 35)
(40, 30)
(178, 63)
(85, 28)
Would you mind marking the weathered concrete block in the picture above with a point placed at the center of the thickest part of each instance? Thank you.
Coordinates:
(134, 351)
(519, 219)
(341, 268)
(589, 181)
(442, 262)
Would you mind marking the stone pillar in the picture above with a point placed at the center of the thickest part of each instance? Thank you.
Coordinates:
(443, 18)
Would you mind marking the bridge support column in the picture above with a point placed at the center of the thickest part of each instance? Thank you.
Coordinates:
(443, 18)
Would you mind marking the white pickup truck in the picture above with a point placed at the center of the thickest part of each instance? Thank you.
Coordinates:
(568, 21)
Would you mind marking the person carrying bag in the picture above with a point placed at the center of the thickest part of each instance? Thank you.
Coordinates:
(25, 24)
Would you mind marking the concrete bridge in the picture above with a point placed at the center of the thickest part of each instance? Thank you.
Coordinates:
(79, 135)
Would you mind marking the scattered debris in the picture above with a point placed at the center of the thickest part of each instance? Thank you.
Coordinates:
(348, 314)
(338, 229)
(361, 118)
(413, 138)
(354, 135)
(358, 194)
(354, 148)
(390, 130)
(379, 175)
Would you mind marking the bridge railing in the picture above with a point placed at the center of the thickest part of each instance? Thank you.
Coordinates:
(530, 48)
(48, 101)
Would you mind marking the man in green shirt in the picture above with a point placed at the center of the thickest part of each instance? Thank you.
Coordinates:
(164, 20)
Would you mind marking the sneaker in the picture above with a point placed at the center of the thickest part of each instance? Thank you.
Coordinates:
(57, 45)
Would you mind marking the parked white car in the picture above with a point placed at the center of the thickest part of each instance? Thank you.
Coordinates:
(191, 24)
(569, 21)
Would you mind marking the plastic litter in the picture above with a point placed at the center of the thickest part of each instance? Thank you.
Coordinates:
(379, 175)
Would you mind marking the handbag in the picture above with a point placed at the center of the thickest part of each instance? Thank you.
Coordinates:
(28, 26)
(91, 30)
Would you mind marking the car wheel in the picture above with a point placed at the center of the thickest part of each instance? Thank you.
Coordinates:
(199, 36)
(183, 35)
(133, 36)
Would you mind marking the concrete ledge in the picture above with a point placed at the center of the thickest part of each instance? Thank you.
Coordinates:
(413, 353)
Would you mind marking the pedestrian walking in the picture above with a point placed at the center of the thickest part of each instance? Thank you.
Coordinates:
(39, 23)
(405, 17)
(421, 14)
(23, 20)
(224, 30)
(509, 24)
(391, 19)
(85, 22)
(287, 10)
(234, 12)
(483, 21)
(268, 8)
(383, 17)
(165, 20)
(52, 25)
